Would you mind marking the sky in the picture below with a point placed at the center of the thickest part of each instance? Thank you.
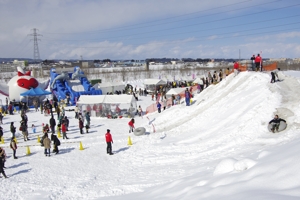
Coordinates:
(135, 29)
(217, 148)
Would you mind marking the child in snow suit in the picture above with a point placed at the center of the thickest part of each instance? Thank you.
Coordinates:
(158, 105)
(80, 125)
(131, 125)
(273, 77)
(47, 145)
(109, 141)
(140, 111)
(64, 131)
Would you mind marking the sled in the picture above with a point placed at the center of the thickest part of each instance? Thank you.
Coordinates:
(139, 131)
(282, 126)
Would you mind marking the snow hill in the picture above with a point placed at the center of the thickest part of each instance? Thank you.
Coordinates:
(218, 148)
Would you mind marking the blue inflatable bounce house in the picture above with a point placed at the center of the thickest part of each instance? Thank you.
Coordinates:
(72, 84)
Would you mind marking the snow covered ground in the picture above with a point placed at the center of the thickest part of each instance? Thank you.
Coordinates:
(218, 148)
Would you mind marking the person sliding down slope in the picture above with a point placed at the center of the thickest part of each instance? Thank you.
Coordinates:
(275, 123)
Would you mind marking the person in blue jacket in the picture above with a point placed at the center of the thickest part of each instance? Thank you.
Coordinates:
(158, 107)
(187, 97)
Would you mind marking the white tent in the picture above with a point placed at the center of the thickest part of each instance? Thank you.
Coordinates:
(109, 87)
(154, 82)
(187, 78)
(104, 105)
(199, 81)
(91, 99)
(175, 91)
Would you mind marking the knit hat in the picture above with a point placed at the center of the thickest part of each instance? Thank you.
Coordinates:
(108, 130)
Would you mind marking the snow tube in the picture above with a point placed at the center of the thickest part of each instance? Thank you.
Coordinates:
(139, 131)
(282, 126)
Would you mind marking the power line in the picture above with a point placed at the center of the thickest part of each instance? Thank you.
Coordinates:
(196, 24)
(177, 42)
(128, 27)
(237, 25)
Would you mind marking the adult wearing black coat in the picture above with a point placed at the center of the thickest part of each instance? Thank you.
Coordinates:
(275, 123)
(52, 123)
(56, 143)
(12, 130)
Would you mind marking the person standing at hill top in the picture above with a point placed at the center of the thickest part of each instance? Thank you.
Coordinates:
(253, 62)
(235, 68)
(258, 62)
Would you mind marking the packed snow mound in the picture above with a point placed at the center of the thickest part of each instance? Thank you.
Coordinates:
(230, 165)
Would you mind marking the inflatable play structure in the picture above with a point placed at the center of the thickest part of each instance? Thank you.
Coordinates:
(24, 86)
(73, 84)
(282, 126)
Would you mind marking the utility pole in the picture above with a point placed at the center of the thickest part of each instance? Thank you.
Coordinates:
(36, 53)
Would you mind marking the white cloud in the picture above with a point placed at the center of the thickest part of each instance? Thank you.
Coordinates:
(17, 18)
(212, 37)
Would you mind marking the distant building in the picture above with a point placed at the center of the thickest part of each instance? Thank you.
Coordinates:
(278, 59)
(20, 63)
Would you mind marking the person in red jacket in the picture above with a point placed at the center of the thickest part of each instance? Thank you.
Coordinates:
(64, 130)
(257, 62)
(80, 125)
(235, 68)
(109, 141)
(131, 125)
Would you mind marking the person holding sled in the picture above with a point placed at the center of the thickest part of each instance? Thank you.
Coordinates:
(109, 141)
(275, 123)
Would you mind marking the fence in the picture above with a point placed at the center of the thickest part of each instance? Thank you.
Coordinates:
(153, 107)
